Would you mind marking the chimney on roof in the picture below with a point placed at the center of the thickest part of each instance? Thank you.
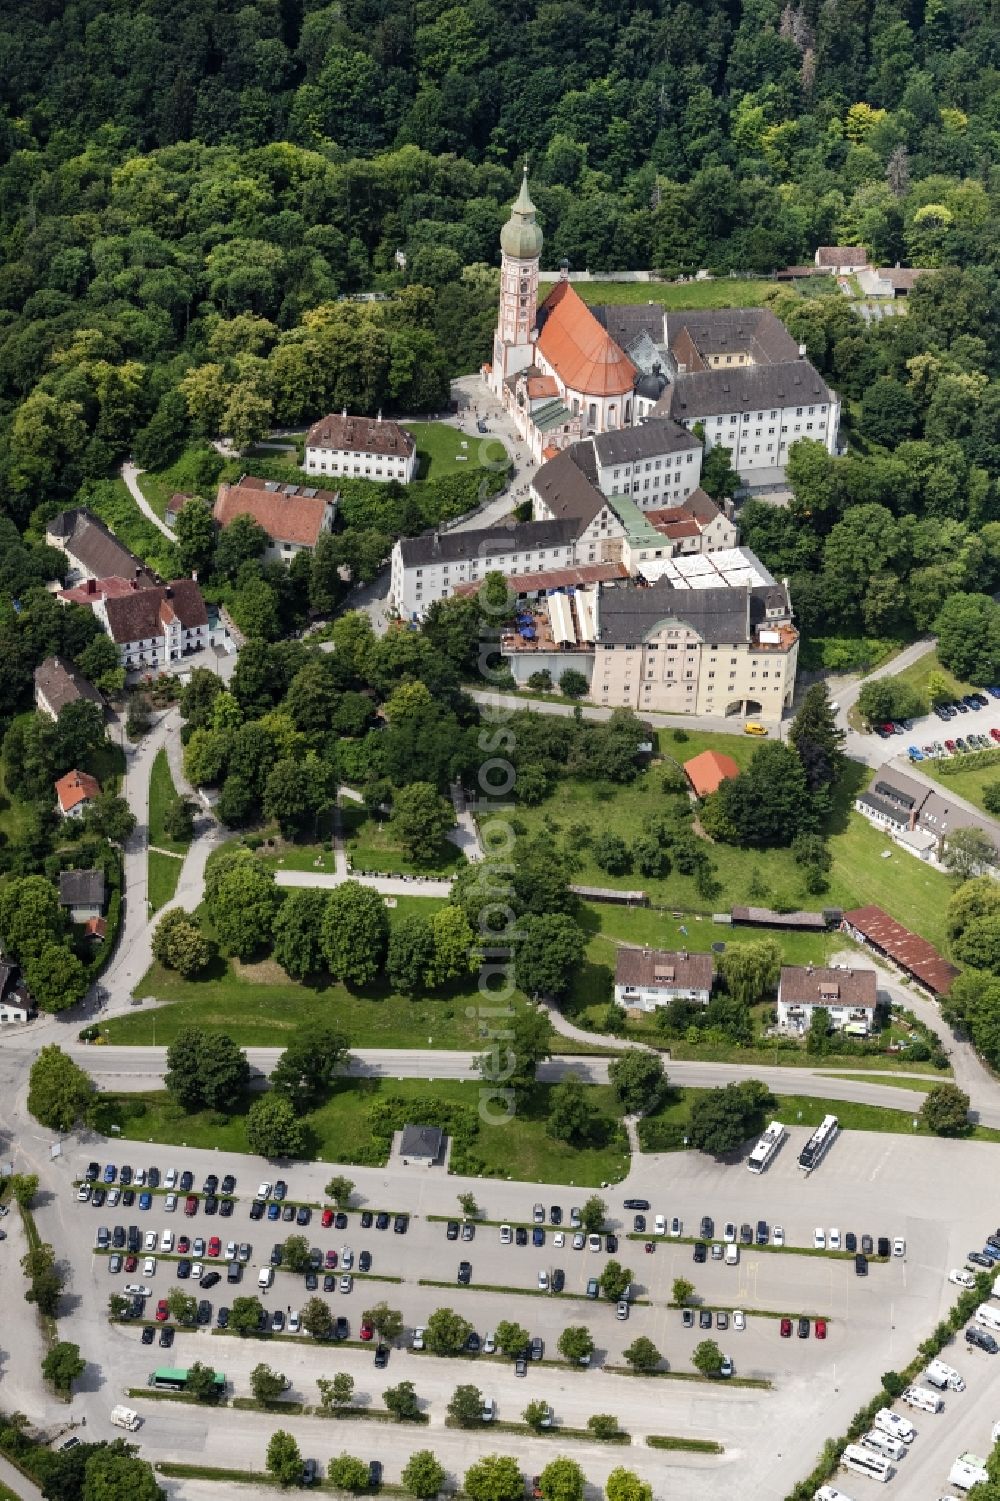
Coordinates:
(168, 592)
(91, 586)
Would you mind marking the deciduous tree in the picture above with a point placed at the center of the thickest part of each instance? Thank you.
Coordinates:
(424, 1475)
(62, 1365)
(355, 933)
(575, 1344)
(60, 1093)
(946, 1110)
(466, 1406)
(284, 1461)
(402, 1401)
(495, 1477)
(308, 1066)
(348, 1473)
(179, 943)
(446, 1332)
(642, 1354)
(205, 1070)
(561, 1480)
(274, 1128)
(638, 1078)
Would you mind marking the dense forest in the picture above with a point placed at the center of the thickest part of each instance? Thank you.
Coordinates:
(188, 193)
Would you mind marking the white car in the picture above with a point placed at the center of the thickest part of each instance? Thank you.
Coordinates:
(819, 1239)
(170, 1178)
(559, 1240)
(139, 1177)
(230, 1250)
(83, 1193)
(777, 1235)
(294, 1322)
(167, 1240)
(170, 1203)
(579, 1241)
(114, 1194)
(346, 1258)
(489, 1409)
(149, 1267)
(543, 1282)
(263, 1191)
(593, 1242)
(151, 1240)
(962, 1277)
(489, 1342)
(418, 1337)
(675, 1226)
(196, 1271)
(346, 1283)
(138, 1289)
(660, 1224)
(739, 1319)
(995, 1435)
(899, 1246)
(506, 1235)
(729, 1234)
(198, 1246)
(834, 1240)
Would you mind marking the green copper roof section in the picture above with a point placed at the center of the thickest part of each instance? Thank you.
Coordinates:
(521, 237)
(552, 414)
(639, 530)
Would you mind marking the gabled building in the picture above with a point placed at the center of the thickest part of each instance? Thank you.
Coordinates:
(92, 550)
(81, 893)
(841, 260)
(58, 683)
(75, 792)
(16, 1001)
(915, 815)
(156, 627)
(648, 978)
(848, 995)
(362, 448)
(293, 516)
(707, 771)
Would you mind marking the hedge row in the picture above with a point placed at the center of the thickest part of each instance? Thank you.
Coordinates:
(971, 761)
(893, 1382)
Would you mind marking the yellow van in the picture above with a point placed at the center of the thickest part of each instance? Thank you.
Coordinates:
(752, 728)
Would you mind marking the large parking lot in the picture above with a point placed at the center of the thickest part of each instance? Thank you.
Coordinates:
(932, 1193)
(932, 737)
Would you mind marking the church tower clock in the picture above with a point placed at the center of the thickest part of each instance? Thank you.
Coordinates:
(521, 249)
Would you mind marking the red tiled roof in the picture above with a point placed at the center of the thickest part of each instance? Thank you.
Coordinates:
(707, 772)
(541, 385)
(142, 614)
(555, 578)
(91, 590)
(285, 518)
(76, 787)
(343, 433)
(809, 985)
(95, 927)
(841, 255)
(670, 970)
(581, 351)
(909, 950)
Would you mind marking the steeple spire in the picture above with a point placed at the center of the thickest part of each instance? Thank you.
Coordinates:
(521, 236)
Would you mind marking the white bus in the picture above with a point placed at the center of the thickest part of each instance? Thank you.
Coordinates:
(816, 1147)
(864, 1462)
(766, 1147)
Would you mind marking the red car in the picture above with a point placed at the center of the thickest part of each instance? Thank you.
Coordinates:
(131, 1262)
(327, 1218)
(191, 1204)
(820, 1328)
(214, 1245)
(183, 1245)
(995, 733)
(331, 1259)
(949, 746)
(161, 1311)
(786, 1328)
(367, 1329)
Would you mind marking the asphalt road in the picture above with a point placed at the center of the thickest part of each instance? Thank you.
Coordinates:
(132, 1068)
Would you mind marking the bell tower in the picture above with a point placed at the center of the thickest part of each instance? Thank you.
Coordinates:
(520, 253)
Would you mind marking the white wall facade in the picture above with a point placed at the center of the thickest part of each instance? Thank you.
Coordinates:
(650, 997)
(760, 440)
(356, 463)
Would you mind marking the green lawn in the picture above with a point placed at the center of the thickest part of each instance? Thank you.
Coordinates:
(723, 291)
(184, 476)
(969, 784)
(163, 870)
(162, 874)
(909, 890)
(900, 1081)
(339, 1130)
(918, 675)
(162, 792)
(371, 847)
(443, 449)
(259, 1006)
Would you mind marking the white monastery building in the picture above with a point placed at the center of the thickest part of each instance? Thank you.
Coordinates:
(361, 448)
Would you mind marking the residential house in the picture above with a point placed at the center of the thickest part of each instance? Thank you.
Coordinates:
(841, 260)
(58, 683)
(915, 815)
(423, 1144)
(16, 1001)
(707, 771)
(156, 627)
(81, 892)
(648, 978)
(362, 448)
(890, 281)
(293, 516)
(848, 995)
(92, 550)
(75, 792)
(174, 507)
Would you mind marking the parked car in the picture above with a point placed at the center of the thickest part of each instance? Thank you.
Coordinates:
(704, 1318)
(786, 1328)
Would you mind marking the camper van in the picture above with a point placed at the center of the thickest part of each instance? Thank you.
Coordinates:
(124, 1417)
(922, 1398)
(884, 1444)
(944, 1376)
(887, 1421)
